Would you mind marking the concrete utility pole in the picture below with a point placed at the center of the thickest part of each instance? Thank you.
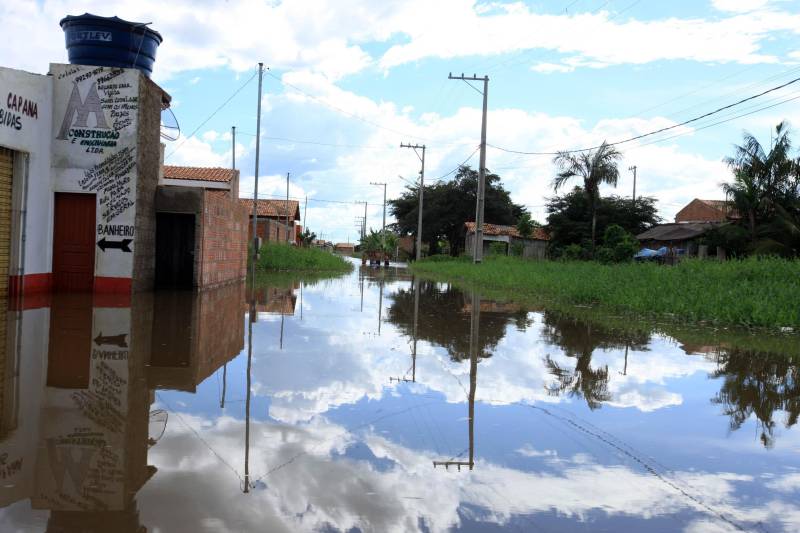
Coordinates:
(305, 210)
(364, 230)
(633, 169)
(383, 226)
(477, 252)
(288, 237)
(255, 185)
(421, 188)
(233, 158)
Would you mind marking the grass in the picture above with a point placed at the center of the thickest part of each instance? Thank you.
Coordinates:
(755, 293)
(275, 256)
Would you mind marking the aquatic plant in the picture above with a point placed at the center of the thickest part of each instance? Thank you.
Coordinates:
(753, 292)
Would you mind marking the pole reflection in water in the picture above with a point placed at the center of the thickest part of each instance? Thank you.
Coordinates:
(380, 305)
(415, 283)
(251, 320)
(474, 349)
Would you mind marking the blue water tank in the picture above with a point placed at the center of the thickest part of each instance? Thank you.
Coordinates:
(110, 42)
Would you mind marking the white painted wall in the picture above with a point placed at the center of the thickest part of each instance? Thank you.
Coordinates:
(33, 138)
(109, 171)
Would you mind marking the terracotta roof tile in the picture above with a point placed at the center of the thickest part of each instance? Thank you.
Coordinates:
(223, 175)
(538, 234)
(273, 208)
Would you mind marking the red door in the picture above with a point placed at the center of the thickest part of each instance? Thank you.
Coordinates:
(73, 242)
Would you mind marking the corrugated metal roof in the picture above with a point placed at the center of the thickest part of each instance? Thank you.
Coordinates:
(224, 175)
(677, 231)
(539, 234)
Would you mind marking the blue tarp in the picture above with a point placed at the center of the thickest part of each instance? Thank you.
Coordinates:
(645, 253)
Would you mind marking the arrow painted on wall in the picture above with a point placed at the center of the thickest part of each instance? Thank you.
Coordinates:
(119, 245)
(114, 340)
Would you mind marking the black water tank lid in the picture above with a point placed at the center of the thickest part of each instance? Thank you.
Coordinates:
(112, 22)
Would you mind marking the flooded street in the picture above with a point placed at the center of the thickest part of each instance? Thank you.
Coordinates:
(377, 402)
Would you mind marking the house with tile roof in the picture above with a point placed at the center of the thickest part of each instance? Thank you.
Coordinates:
(706, 211)
(208, 178)
(277, 220)
(533, 247)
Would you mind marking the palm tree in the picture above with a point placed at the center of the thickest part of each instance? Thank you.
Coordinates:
(764, 181)
(595, 168)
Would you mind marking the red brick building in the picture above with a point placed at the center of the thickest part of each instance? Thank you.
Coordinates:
(277, 219)
(208, 178)
(706, 211)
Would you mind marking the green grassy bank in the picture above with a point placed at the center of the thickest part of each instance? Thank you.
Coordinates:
(274, 256)
(763, 293)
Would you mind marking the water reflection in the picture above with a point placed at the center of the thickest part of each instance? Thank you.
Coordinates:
(466, 413)
(759, 385)
(445, 319)
(88, 368)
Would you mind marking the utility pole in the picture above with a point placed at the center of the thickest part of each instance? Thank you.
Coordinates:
(255, 185)
(416, 147)
(305, 211)
(364, 231)
(633, 169)
(477, 252)
(383, 226)
(233, 160)
(288, 237)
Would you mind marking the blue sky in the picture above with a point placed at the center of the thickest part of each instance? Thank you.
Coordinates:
(366, 76)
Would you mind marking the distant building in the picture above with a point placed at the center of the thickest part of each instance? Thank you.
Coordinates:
(344, 247)
(534, 247)
(706, 211)
(681, 235)
(209, 178)
(272, 219)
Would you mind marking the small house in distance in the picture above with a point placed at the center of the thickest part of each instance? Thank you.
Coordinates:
(345, 248)
(533, 247)
(273, 216)
(692, 222)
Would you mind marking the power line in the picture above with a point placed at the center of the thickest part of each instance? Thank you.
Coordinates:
(344, 112)
(654, 132)
(217, 110)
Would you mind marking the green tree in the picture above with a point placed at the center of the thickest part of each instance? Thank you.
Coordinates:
(569, 224)
(448, 205)
(618, 245)
(526, 225)
(307, 237)
(594, 168)
(766, 192)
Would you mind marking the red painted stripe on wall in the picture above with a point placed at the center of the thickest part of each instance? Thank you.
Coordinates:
(30, 283)
(112, 285)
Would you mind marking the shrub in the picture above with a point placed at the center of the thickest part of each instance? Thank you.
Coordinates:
(497, 248)
(517, 249)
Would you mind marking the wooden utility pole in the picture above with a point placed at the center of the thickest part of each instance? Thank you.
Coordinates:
(477, 252)
(415, 147)
(633, 169)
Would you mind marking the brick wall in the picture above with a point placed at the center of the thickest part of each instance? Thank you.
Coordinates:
(270, 230)
(220, 328)
(223, 241)
(697, 211)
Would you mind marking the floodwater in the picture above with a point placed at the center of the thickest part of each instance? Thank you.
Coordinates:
(376, 402)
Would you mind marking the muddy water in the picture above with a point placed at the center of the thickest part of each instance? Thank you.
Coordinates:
(377, 402)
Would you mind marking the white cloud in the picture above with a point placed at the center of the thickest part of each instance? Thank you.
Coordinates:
(328, 37)
(739, 6)
(549, 68)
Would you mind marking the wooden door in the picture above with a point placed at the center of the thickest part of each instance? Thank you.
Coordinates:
(73, 242)
(175, 250)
